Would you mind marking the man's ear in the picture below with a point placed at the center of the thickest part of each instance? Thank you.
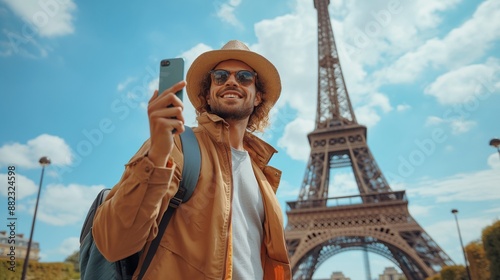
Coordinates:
(258, 99)
(207, 97)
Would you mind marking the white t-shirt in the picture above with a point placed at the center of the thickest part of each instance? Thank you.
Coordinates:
(247, 219)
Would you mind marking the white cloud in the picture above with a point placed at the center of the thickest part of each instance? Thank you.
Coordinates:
(62, 205)
(69, 246)
(461, 126)
(27, 155)
(461, 46)
(145, 97)
(457, 125)
(23, 185)
(293, 30)
(367, 115)
(446, 235)
(396, 184)
(381, 101)
(428, 11)
(278, 118)
(494, 161)
(494, 210)
(403, 107)
(463, 186)
(466, 84)
(194, 52)
(419, 210)
(380, 29)
(225, 13)
(287, 190)
(123, 85)
(47, 18)
(343, 184)
(293, 140)
(433, 120)
(25, 46)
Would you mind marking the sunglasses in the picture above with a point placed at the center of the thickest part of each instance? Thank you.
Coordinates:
(243, 77)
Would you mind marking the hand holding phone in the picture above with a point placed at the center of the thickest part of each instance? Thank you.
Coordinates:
(171, 72)
(160, 120)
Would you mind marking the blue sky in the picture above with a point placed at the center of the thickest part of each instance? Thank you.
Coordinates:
(423, 76)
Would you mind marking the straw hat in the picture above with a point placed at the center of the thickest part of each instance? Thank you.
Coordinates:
(266, 72)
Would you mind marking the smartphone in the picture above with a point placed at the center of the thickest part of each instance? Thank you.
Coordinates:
(171, 72)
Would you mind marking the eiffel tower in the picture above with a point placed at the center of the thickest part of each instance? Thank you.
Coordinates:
(377, 220)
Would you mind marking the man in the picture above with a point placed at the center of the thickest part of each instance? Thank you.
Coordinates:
(232, 227)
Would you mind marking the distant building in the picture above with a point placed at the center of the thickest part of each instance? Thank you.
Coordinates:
(21, 246)
(339, 276)
(390, 273)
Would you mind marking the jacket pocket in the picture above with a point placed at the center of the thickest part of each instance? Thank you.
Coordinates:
(276, 270)
(168, 265)
(273, 176)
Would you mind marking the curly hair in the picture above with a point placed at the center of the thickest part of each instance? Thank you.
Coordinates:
(259, 119)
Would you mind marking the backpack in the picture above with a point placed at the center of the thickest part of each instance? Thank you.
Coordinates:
(94, 266)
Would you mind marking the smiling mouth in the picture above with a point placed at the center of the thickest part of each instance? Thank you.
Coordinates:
(230, 96)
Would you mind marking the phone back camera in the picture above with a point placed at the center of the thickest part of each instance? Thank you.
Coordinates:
(165, 62)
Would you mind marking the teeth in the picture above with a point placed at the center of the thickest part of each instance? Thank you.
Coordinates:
(230, 96)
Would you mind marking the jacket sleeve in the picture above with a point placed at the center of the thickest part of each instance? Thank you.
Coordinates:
(130, 215)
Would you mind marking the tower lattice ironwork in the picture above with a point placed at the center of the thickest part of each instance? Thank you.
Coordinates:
(376, 220)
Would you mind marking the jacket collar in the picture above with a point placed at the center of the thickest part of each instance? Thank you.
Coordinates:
(259, 150)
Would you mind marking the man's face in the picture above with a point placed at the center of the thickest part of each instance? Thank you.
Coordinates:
(231, 100)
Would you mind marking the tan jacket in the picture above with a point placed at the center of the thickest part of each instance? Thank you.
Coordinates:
(197, 242)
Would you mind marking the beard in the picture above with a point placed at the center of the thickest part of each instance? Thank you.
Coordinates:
(232, 113)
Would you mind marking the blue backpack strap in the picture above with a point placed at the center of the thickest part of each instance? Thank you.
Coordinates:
(92, 263)
(89, 220)
(192, 162)
(190, 174)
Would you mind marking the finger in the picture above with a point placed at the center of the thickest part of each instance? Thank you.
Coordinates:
(167, 113)
(168, 125)
(167, 99)
(175, 88)
(154, 96)
(167, 95)
(170, 101)
(178, 127)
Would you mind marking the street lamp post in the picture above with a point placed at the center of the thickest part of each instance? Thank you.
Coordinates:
(454, 212)
(44, 161)
(495, 142)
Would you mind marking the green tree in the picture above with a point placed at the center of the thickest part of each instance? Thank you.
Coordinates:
(454, 272)
(491, 244)
(479, 265)
(74, 259)
(434, 277)
(38, 271)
